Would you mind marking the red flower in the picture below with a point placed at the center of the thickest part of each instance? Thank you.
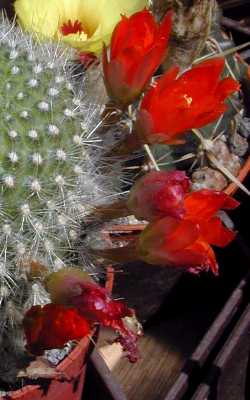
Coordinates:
(70, 287)
(52, 326)
(159, 194)
(138, 46)
(175, 105)
(186, 242)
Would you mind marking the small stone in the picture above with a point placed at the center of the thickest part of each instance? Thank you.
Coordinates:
(238, 144)
(208, 178)
(244, 127)
(227, 159)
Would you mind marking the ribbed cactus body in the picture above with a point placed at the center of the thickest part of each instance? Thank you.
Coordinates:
(50, 157)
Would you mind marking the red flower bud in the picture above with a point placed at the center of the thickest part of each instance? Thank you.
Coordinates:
(52, 326)
(159, 194)
(175, 105)
(138, 46)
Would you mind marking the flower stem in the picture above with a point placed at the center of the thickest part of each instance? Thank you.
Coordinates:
(118, 254)
(115, 210)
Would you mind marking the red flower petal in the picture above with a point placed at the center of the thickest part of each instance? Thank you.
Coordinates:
(52, 326)
(176, 243)
(118, 37)
(166, 25)
(197, 257)
(70, 287)
(226, 87)
(161, 241)
(214, 232)
(204, 77)
(138, 46)
(205, 203)
(202, 249)
(193, 100)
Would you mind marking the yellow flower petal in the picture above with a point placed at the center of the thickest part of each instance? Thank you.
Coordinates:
(98, 19)
(38, 16)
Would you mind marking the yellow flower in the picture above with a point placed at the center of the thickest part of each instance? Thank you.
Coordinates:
(82, 24)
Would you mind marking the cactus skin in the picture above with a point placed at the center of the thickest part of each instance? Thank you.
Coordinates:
(51, 169)
(46, 177)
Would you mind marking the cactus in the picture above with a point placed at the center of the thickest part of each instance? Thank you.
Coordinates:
(51, 169)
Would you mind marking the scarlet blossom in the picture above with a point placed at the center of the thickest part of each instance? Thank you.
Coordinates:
(138, 46)
(93, 302)
(186, 242)
(159, 194)
(176, 104)
(52, 326)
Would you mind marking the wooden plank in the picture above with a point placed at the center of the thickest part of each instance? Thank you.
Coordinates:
(228, 376)
(100, 382)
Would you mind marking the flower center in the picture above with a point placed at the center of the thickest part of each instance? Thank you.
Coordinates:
(69, 28)
(188, 99)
